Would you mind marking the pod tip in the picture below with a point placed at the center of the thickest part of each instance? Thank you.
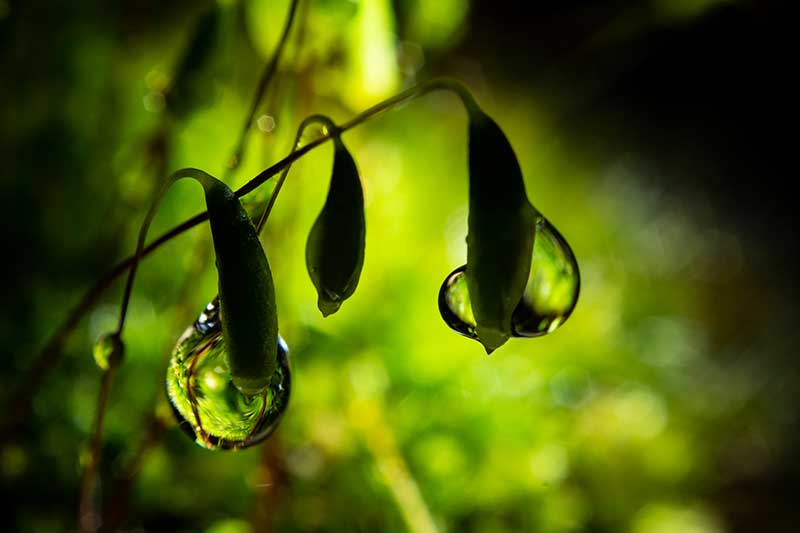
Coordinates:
(328, 307)
(491, 339)
(250, 386)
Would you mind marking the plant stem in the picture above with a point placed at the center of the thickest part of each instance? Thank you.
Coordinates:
(261, 88)
(89, 518)
(274, 196)
(198, 175)
(116, 510)
(368, 418)
(409, 94)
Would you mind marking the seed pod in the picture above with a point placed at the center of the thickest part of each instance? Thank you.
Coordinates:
(247, 295)
(335, 246)
(500, 240)
(246, 290)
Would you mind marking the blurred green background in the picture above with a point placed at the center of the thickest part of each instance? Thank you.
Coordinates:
(650, 134)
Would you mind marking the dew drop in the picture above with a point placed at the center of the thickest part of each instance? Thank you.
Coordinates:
(207, 404)
(549, 298)
(454, 304)
(108, 351)
(553, 285)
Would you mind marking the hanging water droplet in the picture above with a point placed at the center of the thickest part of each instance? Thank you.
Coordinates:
(454, 304)
(549, 298)
(108, 350)
(207, 404)
(553, 285)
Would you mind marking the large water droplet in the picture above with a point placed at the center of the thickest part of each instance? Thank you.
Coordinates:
(207, 404)
(553, 285)
(549, 298)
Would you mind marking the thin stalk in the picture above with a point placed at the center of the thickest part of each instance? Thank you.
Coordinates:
(88, 518)
(409, 94)
(332, 129)
(369, 419)
(200, 176)
(263, 84)
(116, 510)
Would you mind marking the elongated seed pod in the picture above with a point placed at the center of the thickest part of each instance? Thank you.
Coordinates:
(335, 246)
(500, 238)
(246, 291)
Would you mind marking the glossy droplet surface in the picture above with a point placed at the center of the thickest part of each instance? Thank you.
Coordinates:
(550, 293)
(205, 401)
(553, 285)
(108, 351)
(455, 306)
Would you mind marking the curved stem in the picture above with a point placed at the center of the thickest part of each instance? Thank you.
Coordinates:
(332, 129)
(48, 358)
(412, 93)
(263, 83)
(436, 84)
(335, 131)
(197, 174)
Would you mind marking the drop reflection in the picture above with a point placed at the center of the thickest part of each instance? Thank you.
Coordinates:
(207, 404)
(549, 298)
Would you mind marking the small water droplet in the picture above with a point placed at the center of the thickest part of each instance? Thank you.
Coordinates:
(454, 304)
(108, 351)
(207, 404)
(266, 123)
(549, 297)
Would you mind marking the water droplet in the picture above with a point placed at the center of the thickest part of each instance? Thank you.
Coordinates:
(108, 351)
(266, 123)
(207, 404)
(549, 297)
(553, 285)
(454, 304)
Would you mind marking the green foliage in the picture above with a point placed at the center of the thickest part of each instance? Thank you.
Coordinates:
(638, 415)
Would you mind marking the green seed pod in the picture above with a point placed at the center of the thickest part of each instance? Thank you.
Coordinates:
(335, 246)
(500, 240)
(246, 291)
